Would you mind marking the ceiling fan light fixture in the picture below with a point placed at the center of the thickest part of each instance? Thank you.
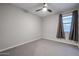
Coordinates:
(44, 9)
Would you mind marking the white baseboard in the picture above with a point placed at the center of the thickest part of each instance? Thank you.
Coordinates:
(34, 39)
(78, 44)
(63, 41)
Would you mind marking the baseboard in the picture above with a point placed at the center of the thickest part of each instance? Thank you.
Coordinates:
(34, 39)
(63, 41)
(78, 44)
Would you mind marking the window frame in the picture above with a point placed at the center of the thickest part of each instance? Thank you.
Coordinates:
(67, 23)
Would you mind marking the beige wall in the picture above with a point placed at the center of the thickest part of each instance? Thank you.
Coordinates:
(50, 24)
(17, 27)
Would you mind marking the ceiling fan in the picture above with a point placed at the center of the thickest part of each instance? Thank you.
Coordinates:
(44, 8)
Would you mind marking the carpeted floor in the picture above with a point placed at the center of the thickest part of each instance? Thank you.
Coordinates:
(43, 47)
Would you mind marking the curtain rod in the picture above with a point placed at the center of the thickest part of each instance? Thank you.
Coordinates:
(69, 11)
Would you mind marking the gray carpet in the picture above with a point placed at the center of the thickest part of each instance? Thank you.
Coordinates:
(43, 47)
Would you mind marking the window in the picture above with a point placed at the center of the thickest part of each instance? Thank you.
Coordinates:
(67, 23)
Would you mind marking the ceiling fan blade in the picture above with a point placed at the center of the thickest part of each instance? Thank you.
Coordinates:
(44, 7)
(49, 10)
(38, 10)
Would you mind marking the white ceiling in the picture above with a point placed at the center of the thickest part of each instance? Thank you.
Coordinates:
(55, 7)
